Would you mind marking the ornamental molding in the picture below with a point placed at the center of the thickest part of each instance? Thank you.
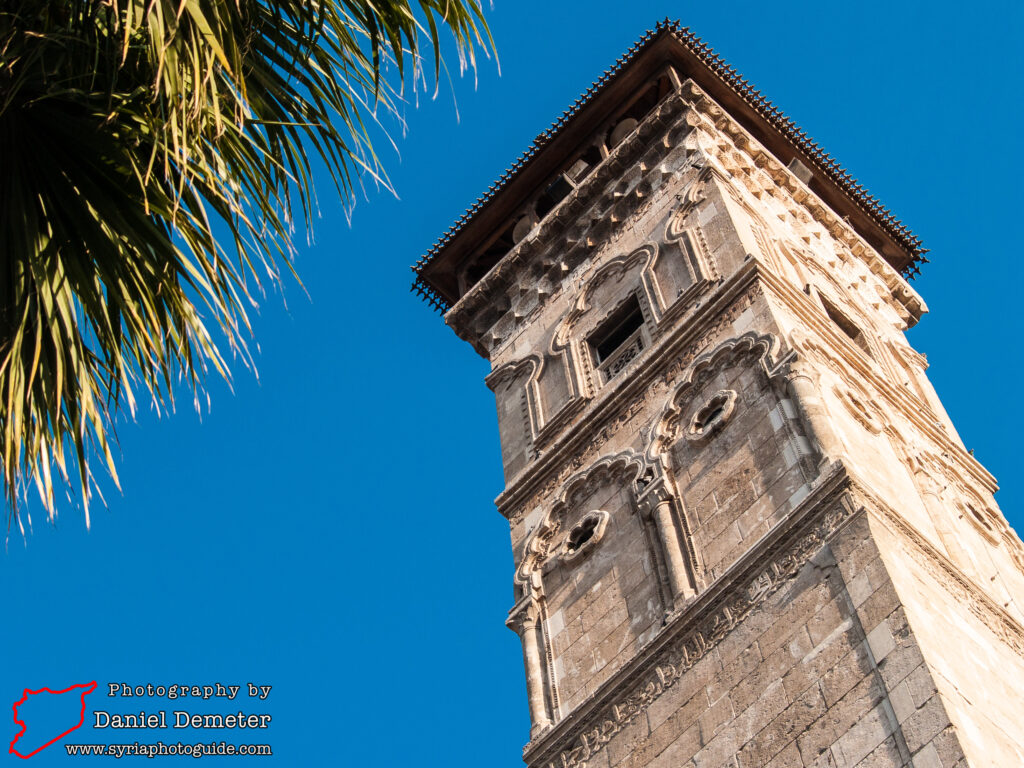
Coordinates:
(779, 226)
(625, 397)
(768, 118)
(659, 307)
(860, 406)
(814, 338)
(545, 540)
(698, 628)
(511, 370)
(703, 425)
(692, 196)
(615, 268)
(950, 577)
(597, 521)
(763, 348)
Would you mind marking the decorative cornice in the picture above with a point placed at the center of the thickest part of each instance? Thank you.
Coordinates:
(753, 98)
(743, 156)
(493, 310)
(593, 214)
(937, 565)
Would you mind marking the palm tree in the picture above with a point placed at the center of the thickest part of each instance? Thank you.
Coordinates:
(155, 154)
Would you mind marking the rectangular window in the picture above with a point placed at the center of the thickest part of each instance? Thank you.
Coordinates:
(619, 339)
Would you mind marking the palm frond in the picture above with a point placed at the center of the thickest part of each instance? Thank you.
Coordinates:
(132, 132)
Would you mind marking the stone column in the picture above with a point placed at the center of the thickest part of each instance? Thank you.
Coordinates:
(805, 393)
(524, 620)
(657, 502)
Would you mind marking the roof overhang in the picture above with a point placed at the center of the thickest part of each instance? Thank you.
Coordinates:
(667, 45)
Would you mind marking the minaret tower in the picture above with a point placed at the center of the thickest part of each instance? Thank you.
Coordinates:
(745, 531)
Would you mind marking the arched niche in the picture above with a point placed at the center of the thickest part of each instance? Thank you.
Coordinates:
(734, 443)
(593, 562)
(515, 393)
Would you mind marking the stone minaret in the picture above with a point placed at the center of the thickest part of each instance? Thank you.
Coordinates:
(745, 531)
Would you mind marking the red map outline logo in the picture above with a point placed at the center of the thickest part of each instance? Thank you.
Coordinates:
(90, 687)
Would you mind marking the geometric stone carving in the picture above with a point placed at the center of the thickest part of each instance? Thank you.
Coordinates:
(729, 352)
(584, 536)
(712, 416)
(749, 588)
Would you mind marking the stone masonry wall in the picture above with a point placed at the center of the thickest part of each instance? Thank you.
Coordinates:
(606, 605)
(827, 672)
(971, 644)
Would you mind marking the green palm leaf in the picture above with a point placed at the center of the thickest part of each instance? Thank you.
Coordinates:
(130, 130)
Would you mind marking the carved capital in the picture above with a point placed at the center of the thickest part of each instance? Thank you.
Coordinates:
(657, 492)
(524, 615)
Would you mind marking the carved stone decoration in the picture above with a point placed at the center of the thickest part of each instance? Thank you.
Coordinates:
(664, 279)
(681, 272)
(613, 270)
(584, 536)
(982, 520)
(860, 406)
(712, 416)
(525, 619)
(592, 214)
(519, 412)
(555, 545)
(659, 502)
(694, 195)
(755, 350)
(668, 424)
(807, 379)
(569, 340)
(1015, 547)
(513, 503)
(623, 467)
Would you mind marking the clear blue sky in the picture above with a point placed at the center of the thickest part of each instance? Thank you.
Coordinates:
(329, 529)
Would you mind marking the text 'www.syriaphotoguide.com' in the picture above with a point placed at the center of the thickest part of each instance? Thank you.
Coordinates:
(160, 749)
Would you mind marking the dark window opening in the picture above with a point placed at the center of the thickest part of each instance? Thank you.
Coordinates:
(582, 166)
(712, 415)
(565, 182)
(706, 418)
(592, 156)
(646, 101)
(555, 193)
(490, 256)
(844, 324)
(979, 517)
(580, 535)
(617, 329)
